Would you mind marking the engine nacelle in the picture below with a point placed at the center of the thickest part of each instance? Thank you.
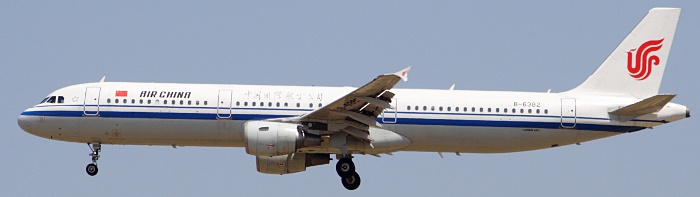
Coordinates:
(274, 138)
(291, 163)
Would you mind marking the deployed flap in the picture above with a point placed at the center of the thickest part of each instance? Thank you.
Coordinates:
(361, 106)
(647, 106)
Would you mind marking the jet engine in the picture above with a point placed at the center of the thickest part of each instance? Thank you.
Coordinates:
(273, 138)
(290, 163)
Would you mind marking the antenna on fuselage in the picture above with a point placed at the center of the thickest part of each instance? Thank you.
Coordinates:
(452, 87)
(103, 79)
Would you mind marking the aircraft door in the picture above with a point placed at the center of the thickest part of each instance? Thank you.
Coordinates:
(91, 101)
(223, 107)
(568, 113)
(390, 116)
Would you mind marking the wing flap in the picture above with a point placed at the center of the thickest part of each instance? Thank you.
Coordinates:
(377, 102)
(360, 108)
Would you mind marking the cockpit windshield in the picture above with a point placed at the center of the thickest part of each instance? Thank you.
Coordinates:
(44, 101)
(53, 99)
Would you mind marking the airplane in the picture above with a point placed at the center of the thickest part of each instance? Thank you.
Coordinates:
(290, 128)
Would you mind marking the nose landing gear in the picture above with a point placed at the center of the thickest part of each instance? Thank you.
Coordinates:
(346, 170)
(91, 169)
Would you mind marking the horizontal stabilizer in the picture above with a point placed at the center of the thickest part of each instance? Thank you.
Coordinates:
(647, 106)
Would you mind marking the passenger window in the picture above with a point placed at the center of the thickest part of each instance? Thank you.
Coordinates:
(512, 111)
(205, 102)
(440, 108)
(529, 111)
(140, 101)
(298, 105)
(182, 102)
(473, 109)
(262, 104)
(149, 101)
(449, 108)
(238, 103)
(173, 102)
(537, 111)
(60, 99)
(481, 109)
(320, 105)
(546, 111)
(116, 100)
(497, 110)
(465, 109)
(278, 104)
(425, 108)
(196, 102)
(245, 103)
(190, 102)
(124, 101)
(165, 102)
(432, 108)
(456, 108)
(252, 104)
(286, 105)
(522, 111)
(269, 104)
(157, 101)
(408, 108)
(311, 105)
(505, 110)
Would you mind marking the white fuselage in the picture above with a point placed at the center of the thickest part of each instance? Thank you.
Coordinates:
(433, 120)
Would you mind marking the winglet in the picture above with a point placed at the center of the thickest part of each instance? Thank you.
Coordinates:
(403, 73)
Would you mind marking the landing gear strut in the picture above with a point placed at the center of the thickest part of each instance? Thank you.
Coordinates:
(91, 168)
(346, 170)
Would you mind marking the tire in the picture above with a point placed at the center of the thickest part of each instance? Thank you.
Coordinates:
(91, 169)
(351, 182)
(345, 167)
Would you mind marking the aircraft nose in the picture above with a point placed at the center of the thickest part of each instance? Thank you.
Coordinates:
(24, 122)
(687, 112)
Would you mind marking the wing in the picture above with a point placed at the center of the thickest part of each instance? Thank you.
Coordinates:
(357, 111)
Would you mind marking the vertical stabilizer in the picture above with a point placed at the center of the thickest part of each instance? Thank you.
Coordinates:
(636, 67)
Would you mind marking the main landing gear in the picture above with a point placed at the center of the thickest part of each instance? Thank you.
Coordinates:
(91, 169)
(346, 170)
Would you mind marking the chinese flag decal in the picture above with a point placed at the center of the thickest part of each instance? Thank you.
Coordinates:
(121, 93)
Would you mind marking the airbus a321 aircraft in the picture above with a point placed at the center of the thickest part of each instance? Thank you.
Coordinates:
(290, 128)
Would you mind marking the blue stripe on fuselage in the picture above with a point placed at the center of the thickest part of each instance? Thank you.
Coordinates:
(405, 121)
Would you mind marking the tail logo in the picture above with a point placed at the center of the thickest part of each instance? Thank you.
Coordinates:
(640, 69)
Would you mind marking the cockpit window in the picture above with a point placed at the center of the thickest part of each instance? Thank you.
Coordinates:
(45, 99)
(52, 100)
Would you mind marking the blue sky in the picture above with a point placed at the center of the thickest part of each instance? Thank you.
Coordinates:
(502, 45)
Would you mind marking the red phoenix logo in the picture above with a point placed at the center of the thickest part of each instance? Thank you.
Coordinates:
(641, 69)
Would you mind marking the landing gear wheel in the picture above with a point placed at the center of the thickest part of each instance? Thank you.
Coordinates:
(351, 182)
(345, 167)
(91, 169)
